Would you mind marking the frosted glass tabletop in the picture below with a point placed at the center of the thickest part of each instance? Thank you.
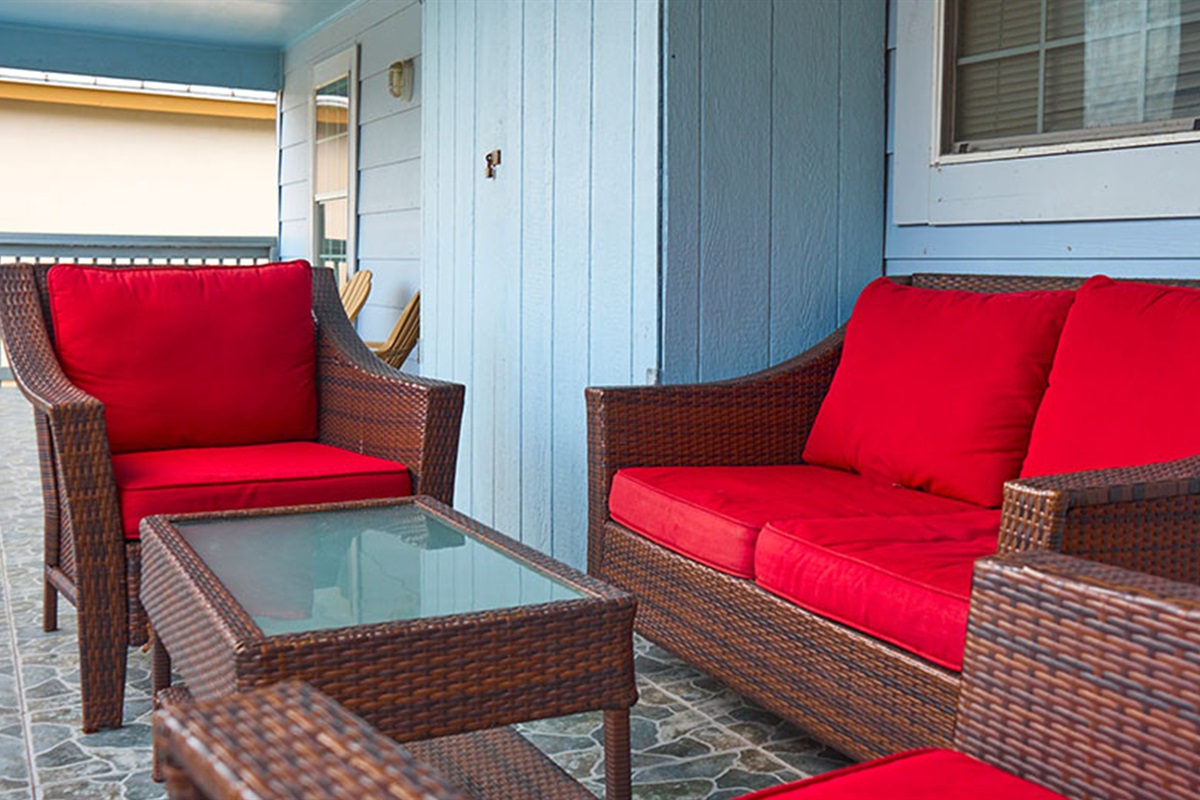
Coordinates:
(332, 569)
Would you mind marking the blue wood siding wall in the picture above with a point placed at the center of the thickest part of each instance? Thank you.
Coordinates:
(1122, 248)
(139, 59)
(389, 155)
(543, 280)
(774, 177)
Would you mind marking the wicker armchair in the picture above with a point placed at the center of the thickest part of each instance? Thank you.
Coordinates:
(1079, 677)
(853, 691)
(363, 406)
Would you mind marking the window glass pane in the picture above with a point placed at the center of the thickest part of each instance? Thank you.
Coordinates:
(1064, 89)
(1173, 94)
(989, 25)
(1057, 68)
(332, 137)
(998, 98)
(1064, 18)
(1111, 88)
(332, 218)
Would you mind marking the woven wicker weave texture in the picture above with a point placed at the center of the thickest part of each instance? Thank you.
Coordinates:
(1080, 677)
(364, 406)
(850, 690)
(411, 679)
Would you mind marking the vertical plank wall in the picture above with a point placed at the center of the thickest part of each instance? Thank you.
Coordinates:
(543, 280)
(1152, 248)
(773, 188)
(389, 154)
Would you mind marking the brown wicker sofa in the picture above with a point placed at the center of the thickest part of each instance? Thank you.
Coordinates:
(359, 409)
(850, 689)
(1048, 633)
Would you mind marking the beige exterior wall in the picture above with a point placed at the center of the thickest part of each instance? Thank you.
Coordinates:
(76, 169)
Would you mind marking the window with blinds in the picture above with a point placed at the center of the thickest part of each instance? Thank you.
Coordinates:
(1024, 72)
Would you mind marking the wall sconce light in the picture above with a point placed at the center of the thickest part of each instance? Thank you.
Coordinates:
(400, 79)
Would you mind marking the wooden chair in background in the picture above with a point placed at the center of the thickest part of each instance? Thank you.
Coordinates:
(400, 342)
(354, 293)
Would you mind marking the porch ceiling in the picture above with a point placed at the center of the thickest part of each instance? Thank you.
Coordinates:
(231, 23)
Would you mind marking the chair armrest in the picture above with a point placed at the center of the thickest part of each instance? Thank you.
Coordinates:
(31, 355)
(286, 741)
(77, 443)
(1083, 677)
(1145, 518)
(369, 407)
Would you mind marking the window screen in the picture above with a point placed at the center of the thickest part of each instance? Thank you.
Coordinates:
(1044, 71)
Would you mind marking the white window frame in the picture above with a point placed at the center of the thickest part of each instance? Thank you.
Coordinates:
(323, 72)
(1140, 177)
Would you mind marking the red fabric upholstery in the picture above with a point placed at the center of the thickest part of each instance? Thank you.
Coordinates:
(906, 580)
(1125, 380)
(250, 476)
(937, 389)
(714, 514)
(912, 775)
(198, 357)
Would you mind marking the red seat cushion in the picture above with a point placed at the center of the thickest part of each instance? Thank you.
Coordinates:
(937, 389)
(250, 476)
(912, 775)
(906, 580)
(714, 514)
(1125, 380)
(198, 357)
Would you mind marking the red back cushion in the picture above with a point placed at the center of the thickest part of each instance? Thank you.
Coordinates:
(1125, 381)
(937, 389)
(190, 357)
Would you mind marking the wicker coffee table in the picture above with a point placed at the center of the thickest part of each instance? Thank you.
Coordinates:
(418, 619)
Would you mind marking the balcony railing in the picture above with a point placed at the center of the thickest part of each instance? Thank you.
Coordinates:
(131, 251)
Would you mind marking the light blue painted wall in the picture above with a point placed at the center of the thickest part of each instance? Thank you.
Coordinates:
(1121, 248)
(773, 190)
(389, 156)
(543, 280)
(139, 59)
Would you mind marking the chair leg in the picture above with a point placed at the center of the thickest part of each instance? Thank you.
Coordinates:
(102, 663)
(49, 606)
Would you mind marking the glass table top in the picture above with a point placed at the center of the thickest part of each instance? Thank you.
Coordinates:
(304, 572)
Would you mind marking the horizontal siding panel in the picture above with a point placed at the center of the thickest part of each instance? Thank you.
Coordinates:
(394, 187)
(293, 240)
(293, 128)
(394, 234)
(294, 201)
(395, 39)
(393, 280)
(1116, 268)
(1125, 239)
(390, 139)
(294, 163)
(376, 101)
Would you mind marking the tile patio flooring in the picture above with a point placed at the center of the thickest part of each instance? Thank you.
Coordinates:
(692, 737)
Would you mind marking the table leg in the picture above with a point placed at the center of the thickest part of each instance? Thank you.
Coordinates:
(616, 755)
(160, 664)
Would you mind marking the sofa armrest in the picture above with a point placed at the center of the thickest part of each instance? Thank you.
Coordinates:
(284, 741)
(1145, 518)
(1083, 677)
(369, 407)
(763, 418)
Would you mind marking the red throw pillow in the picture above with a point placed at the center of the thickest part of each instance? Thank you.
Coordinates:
(937, 389)
(190, 357)
(1125, 381)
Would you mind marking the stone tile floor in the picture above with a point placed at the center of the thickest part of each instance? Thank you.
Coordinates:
(692, 738)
